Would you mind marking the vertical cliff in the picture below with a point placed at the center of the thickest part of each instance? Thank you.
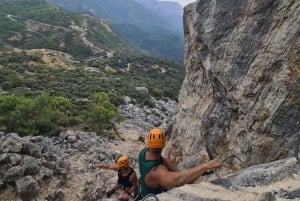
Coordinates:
(241, 92)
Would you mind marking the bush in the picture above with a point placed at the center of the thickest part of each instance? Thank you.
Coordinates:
(7, 85)
(40, 115)
(101, 112)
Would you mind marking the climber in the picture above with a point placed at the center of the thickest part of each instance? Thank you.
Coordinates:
(158, 174)
(127, 179)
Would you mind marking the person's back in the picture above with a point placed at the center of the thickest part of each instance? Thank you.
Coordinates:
(158, 174)
(145, 167)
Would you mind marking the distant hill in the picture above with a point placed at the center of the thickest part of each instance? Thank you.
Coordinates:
(30, 24)
(152, 25)
(45, 48)
(171, 12)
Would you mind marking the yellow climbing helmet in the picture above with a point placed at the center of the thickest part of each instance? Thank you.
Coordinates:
(156, 139)
(123, 162)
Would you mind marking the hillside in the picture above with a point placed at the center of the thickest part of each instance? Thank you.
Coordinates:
(37, 24)
(157, 30)
(82, 51)
(48, 50)
(172, 12)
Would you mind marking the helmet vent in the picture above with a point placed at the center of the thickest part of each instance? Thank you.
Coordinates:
(155, 139)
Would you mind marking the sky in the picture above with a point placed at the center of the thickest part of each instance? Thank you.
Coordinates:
(182, 2)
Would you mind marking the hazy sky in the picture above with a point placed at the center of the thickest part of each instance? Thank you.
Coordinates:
(182, 2)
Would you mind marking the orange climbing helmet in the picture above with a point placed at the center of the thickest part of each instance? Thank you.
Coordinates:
(156, 139)
(123, 162)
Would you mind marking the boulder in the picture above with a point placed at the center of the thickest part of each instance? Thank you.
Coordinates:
(27, 188)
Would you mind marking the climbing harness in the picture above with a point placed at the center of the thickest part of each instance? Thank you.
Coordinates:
(139, 197)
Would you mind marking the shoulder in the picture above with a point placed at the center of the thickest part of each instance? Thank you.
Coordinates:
(158, 171)
(133, 177)
(156, 176)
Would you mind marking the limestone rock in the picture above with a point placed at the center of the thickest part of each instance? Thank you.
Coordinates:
(241, 92)
(13, 173)
(265, 182)
(27, 188)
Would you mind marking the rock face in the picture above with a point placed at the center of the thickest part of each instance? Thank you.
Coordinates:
(241, 92)
(265, 182)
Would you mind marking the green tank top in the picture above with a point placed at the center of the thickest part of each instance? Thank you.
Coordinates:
(145, 166)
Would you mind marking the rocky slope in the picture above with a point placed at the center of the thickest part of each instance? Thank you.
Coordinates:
(241, 89)
(63, 169)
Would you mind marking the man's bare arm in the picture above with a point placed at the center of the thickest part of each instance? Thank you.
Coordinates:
(169, 179)
(107, 166)
(133, 180)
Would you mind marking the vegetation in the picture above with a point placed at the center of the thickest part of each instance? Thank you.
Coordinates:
(71, 93)
(51, 78)
(26, 74)
(101, 110)
(39, 115)
(162, 43)
(47, 115)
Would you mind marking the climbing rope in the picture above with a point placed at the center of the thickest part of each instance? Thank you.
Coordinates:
(297, 148)
(224, 160)
(140, 197)
(234, 156)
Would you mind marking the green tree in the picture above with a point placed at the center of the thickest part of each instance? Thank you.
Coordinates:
(62, 108)
(40, 115)
(33, 116)
(7, 105)
(101, 112)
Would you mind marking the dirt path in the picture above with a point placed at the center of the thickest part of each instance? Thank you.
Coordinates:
(129, 142)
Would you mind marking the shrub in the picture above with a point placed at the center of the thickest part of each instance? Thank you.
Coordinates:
(101, 112)
(40, 115)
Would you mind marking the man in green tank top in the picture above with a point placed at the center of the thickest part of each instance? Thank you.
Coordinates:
(158, 174)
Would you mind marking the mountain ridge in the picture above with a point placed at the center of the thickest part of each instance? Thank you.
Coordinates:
(131, 16)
